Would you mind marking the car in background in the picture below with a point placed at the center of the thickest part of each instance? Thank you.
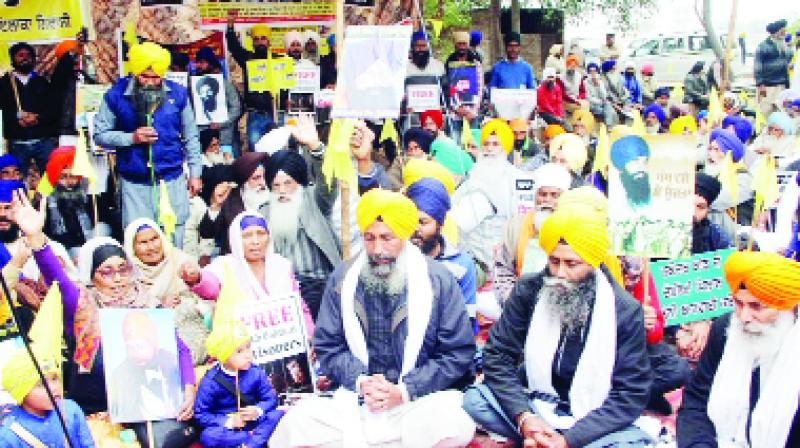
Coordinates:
(673, 55)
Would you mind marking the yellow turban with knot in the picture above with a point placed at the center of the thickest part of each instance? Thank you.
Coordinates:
(773, 279)
(585, 118)
(573, 148)
(260, 30)
(394, 209)
(586, 234)
(148, 56)
(228, 333)
(682, 124)
(502, 130)
(417, 169)
(19, 373)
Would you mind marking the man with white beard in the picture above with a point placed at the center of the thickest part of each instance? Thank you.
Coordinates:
(744, 392)
(250, 193)
(393, 333)
(299, 215)
(581, 340)
(777, 139)
(724, 144)
(520, 252)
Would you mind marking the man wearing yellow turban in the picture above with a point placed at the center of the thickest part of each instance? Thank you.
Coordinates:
(394, 331)
(582, 340)
(744, 391)
(150, 122)
(34, 418)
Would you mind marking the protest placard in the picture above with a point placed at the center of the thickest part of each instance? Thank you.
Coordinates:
(140, 364)
(422, 97)
(215, 40)
(32, 20)
(180, 78)
(88, 98)
(651, 195)
(513, 103)
(692, 289)
(279, 342)
(257, 75)
(306, 77)
(208, 97)
(464, 83)
(372, 72)
(254, 11)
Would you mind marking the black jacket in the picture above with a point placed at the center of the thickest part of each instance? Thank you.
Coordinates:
(695, 429)
(260, 101)
(35, 96)
(631, 378)
(772, 64)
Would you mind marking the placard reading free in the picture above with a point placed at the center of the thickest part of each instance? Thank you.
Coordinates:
(692, 289)
(276, 327)
(422, 97)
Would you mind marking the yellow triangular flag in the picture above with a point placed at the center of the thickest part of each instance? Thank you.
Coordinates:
(727, 177)
(337, 163)
(389, 132)
(765, 180)
(761, 121)
(677, 94)
(715, 112)
(638, 124)
(129, 36)
(602, 154)
(230, 298)
(45, 188)
(47, 328)
(437, 27)
(81, 165)
(166, 214)
(466, 134)
(744, 99)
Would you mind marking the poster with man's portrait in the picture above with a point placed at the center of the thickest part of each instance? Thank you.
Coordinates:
(651, 195)
(208, 97)
(140, 363)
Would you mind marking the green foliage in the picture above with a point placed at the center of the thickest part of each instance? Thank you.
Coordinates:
(620, 14)
(456, 17)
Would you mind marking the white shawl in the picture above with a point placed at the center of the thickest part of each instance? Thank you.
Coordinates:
(419, 297)
(729, 398)
(592, 381)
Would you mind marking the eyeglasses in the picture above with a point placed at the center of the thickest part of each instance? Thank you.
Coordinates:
(110, 273)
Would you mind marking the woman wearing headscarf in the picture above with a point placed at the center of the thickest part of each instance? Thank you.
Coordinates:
(157, 262)
(260, 272)
(107, 280)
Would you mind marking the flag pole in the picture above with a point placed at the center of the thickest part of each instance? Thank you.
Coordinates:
(344, 186)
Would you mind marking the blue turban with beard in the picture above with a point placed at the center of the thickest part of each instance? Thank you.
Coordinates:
(728, 142)
(430, 196)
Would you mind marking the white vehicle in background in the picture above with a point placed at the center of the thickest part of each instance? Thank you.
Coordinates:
(673, 55)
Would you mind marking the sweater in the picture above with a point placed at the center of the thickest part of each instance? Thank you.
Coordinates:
(47, 429)
(35, 97)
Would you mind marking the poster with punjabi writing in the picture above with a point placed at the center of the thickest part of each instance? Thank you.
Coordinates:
(280, 343)
(36, 20)
(692, 289)
(249, 12)
(651, 195)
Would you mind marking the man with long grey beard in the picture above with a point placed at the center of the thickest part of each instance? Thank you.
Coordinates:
(299, 214)
(744, 392)
(581, 340)
(393, 333)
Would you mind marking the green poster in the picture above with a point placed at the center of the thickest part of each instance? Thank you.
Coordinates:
(692, 289)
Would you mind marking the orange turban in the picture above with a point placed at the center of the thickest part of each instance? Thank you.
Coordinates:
(773, 279)
(60, 159)
(518, 125)
(552, 130)
(65, 46)
(502, 130)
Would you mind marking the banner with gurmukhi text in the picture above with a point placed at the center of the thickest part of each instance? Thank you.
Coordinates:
(692, 289)
(32, 20)
(216, 13)
(651, 196)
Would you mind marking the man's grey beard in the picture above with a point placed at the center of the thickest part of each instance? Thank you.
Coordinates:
(385, 278)
(712, 168)
(284, 218)
(215, 158)
(571, 303)
(254, 198)
(763, 341)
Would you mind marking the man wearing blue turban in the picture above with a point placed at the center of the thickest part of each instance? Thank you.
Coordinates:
(629, 156)
(10, 168)
(433, 203)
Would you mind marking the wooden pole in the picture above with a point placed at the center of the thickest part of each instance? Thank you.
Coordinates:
(344, 186)
(726, 61)
(150, 438)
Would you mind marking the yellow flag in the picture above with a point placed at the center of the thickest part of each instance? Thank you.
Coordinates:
(603, 152)
(44, 188)
(677, 94)
(765, 180)
(230, 298)
(5, 59)
(638, 124)
(47, 328)
(744, 99)
(466, 134)
(81, 165)
(728, 177)
(166, 215)
(761, 121)
(389, 132)
(337, 163)
(437, 27)
(258, 75)
(715, 112)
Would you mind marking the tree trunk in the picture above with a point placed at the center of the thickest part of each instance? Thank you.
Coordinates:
(496, 38)
(515, 16)
(708, 25)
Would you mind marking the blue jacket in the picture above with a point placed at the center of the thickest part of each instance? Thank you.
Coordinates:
(214, 402)
(447, 351)
(173, 120)
(48, 429)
